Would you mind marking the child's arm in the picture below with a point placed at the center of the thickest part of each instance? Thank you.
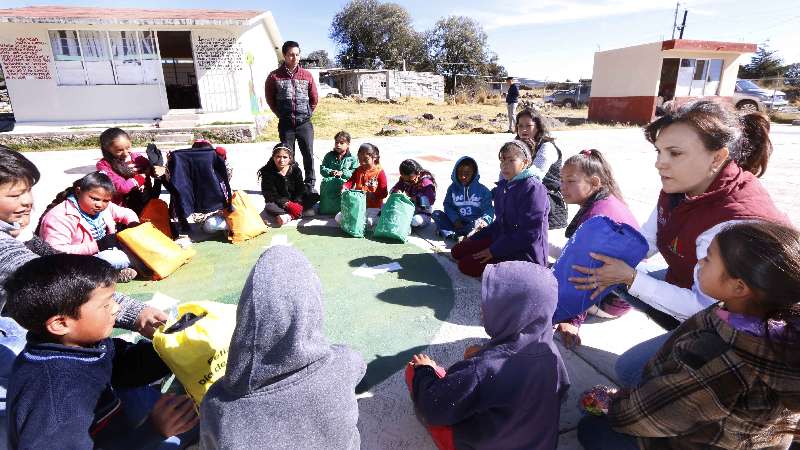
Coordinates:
(450, 207)
(121, 214)
(383, 186)
(487, 205)
(448, 400)
(57, 231)
(123, 186)
(324, 168)
(350, 182)
(349, 167)
(532, 215)
(398, 187)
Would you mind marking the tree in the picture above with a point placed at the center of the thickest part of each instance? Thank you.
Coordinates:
(457, 45)
(371, 34)
(792, 73)
(764, 64)
(322, 58)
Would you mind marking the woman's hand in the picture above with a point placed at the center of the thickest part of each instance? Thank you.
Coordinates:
(149, 320)
(483, 256)
(174, 414)
(613, 271)
(159, 171)
(569, 334)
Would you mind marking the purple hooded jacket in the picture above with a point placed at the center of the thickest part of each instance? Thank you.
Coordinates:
(508, 396)
(519, 230)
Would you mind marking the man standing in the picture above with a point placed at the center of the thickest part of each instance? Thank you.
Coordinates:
(512, 97)
(292, 96)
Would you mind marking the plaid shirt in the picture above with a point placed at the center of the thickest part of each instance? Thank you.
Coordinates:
(712, 386)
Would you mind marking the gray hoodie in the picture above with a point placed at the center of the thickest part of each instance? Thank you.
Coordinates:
(285, 387)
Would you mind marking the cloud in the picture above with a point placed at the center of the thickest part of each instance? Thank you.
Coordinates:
(509, 14)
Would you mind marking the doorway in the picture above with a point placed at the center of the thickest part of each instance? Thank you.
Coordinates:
(177, 62)
(669, 78)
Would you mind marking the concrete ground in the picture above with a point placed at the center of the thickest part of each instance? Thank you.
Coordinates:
(387, 419)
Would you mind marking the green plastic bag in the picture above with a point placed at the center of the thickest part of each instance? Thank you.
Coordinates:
(330, 197)
(395, 220)
(354, 212)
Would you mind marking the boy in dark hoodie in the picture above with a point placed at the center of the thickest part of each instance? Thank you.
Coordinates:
(468, 203)
(507, 393)
(63, 390)
(285, 386)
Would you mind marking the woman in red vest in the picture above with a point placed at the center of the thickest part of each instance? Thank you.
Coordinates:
(709, 158)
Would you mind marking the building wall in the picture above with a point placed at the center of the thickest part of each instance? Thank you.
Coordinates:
(416, 84)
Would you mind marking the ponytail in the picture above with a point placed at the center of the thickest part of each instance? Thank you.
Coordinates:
(86, 183)
(753, 148)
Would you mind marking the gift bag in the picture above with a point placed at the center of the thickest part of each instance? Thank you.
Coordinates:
(395, 220)
(601, 235)
(244, 221)
(156, 212)
(354, 212)
(158, 252)
(330, 195)
(195, 345)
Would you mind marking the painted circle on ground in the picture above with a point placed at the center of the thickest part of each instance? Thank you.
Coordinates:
(387, 318)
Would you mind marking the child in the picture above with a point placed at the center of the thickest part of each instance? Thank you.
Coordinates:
(128, 171)
(82, 221)
(546, 162)
(285, 386)
(519, 231)
(339, 162)
(587, 180)
(728, 377)
(369, 177)
(63, 391)
(286, 197)
(508, 392)
(420, 186)
(467, 204)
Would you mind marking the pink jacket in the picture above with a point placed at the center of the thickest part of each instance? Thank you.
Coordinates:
(65, 229)
(121, 184)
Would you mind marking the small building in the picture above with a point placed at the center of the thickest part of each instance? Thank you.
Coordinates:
(628, 83)
(387, 84)
(102, 64)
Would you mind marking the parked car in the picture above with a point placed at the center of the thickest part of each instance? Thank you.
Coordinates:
(749, 97)
(570, 98)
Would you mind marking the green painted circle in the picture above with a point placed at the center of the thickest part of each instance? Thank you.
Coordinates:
(387, 319)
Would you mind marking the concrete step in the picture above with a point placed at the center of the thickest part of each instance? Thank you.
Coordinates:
(173, 137)
(173, 123)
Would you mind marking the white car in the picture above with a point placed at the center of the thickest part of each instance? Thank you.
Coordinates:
(749, 97)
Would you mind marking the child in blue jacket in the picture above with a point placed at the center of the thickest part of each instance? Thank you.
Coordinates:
(467, 204)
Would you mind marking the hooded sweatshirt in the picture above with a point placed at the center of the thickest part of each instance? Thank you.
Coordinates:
(713, 385)
(471, 202)
(422, 193)
(508, 396)
(285, 386)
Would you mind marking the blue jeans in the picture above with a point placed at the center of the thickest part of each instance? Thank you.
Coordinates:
(595, 433)
(12, 341)
(117, 258)
(138, 402)
(630, 365)
(446, 227)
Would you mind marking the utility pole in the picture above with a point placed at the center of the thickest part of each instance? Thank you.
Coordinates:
(683, 24)
(675, 19)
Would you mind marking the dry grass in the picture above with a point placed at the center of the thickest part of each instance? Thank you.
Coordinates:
(368, 119)
(784, 116)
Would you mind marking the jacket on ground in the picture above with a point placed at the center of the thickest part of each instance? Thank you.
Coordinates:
(285, 386)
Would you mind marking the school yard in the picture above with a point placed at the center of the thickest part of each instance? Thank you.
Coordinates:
(425, 305)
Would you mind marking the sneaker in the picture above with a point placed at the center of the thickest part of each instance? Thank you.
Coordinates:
(125, 275)
(283, 219)
(309, 212)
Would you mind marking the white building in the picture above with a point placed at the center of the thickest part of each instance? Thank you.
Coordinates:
(97, 64)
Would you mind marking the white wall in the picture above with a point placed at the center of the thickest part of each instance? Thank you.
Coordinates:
(627, 72)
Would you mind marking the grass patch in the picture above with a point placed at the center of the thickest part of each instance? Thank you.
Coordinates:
(78, 143)
(230, 123)
(91, 127)
(784, 117)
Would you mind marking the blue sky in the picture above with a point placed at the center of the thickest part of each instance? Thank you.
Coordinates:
(542, 39)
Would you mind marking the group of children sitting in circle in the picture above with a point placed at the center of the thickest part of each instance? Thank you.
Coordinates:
(727, 377)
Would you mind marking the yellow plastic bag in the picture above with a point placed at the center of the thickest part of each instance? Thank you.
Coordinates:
(195, 346)
(158, 252)
(244, 222)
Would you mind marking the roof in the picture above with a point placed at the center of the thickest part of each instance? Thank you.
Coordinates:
(100, 16)
(714, 46)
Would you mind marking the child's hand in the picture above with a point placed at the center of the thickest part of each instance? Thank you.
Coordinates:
(480, 223)
(569, 334)
(173, 415)
(336, 173)
(149, 320)
(422, 360)
(597, 400)
(471, 351)
(483, 256)
(159, 171)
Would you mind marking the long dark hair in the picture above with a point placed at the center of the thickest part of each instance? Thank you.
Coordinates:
(106, 139)
(592, 163)
(411, 167)
(719, 125)
(90, 181)
(371, 150)
(766, 257)
(278, 147)
(542, 130)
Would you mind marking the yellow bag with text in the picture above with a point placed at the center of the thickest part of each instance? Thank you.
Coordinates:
(244, 222)
(195, 345)
(157, 251)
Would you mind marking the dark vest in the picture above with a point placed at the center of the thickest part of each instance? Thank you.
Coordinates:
(552, 181)
(734, 195)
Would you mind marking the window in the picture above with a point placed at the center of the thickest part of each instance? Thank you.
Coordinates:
(699, 77)
(105, 57)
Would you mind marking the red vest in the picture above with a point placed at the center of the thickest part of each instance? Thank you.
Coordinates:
(734, 195)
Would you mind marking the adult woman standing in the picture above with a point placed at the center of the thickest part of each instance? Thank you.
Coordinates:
(708, 159)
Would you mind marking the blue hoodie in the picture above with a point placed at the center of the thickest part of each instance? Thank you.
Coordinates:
(509, 394)
(468, 203)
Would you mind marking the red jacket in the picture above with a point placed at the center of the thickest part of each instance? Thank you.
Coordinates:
(734, 195)
(291, 96)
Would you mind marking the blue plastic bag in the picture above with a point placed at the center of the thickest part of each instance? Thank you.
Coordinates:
(600, 235)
